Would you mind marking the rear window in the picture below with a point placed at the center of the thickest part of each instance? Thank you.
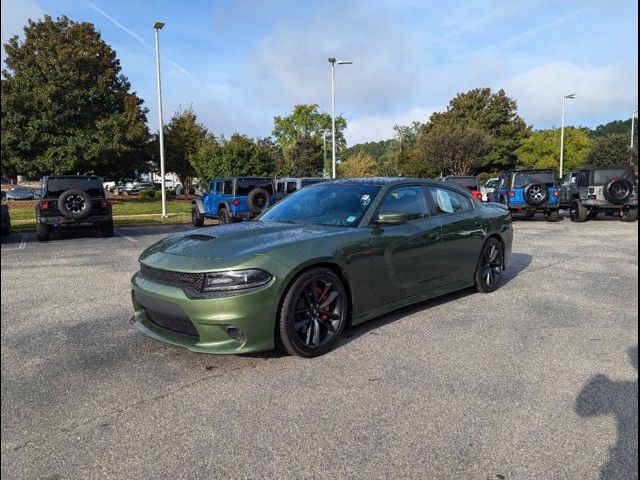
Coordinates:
(56, 186)
(525, 178)
(464, 182)
(600, 177)
(245, 185)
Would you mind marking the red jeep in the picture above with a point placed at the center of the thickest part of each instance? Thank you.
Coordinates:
(470, 183)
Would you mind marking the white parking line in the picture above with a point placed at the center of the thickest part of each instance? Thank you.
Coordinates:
(23, 242)
(132, 240)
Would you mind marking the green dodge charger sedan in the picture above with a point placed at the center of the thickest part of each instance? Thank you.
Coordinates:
(331, 254)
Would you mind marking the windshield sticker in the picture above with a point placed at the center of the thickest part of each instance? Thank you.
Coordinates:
(364, 201)
(351, 218)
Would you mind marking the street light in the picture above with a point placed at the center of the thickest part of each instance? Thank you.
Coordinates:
(324, 152)
(333, 62)
(157, 27)
(633, 124)
(571, 97)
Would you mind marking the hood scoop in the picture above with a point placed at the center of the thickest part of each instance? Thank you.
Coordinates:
(199, 237)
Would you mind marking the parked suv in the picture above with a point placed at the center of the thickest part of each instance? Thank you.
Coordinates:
(470, 183)
(590, 191)
(529, 192)
(232, 199)
(70, 201)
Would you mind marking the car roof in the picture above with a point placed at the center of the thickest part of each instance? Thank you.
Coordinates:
(528, 170)
(380, 181)
(48, 177)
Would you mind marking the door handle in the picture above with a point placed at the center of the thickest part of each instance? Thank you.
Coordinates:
(479, 223)
(434, 236)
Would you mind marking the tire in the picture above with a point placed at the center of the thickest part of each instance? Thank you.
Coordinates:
(618, 191)
(6, 230)
(490, 266)
(197, 218)
(106, 229)
(316, 303)
(553, 216)
(536, 194)
(258, 200)
(578, 212)
(629, 215)
(43, 232)
(74, 204)
(224, 217)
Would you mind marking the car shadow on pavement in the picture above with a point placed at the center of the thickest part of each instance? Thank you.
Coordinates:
(518, 263)
(14, 237)
(604, 396)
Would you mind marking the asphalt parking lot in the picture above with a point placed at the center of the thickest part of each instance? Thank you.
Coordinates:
(537, 380)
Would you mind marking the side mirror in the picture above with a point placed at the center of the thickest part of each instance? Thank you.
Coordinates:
(391, 219)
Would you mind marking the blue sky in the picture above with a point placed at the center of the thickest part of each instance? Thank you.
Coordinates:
(240, 63)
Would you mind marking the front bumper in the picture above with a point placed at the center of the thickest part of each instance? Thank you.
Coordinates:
(252, 313)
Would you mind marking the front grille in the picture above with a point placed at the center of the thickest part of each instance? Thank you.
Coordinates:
(189, 281)
(172, 323)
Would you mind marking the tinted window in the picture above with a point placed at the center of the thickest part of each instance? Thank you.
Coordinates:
(280, 187)
(93, 186)
(447, 201)
(292, 187)
(464, 182)
(600, 177)
(227, 187)
(525, 178)
(583, 178)
(491, 184)
(407, 200)
(245, 185)
(324, 204)
(505, 182)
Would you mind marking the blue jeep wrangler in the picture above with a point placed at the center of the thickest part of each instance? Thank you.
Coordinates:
(529, 192)
(232, 199)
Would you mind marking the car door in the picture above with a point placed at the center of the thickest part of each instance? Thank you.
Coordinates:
(463, 232)
(211, 202)
(402, 255)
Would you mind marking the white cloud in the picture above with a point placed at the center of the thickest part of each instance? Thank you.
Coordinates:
(602, 93)
(15, 14)
(372, 128)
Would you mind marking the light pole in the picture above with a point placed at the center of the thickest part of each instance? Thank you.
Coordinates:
(324, 152)
(157, 27)
(571, 96)
(333, 62)
(633, 124)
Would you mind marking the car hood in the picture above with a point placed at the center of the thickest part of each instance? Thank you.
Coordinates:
(238, 240)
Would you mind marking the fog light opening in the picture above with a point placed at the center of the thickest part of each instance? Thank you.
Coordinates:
(236, 334)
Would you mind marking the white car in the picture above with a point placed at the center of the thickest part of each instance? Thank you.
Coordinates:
(488, 188)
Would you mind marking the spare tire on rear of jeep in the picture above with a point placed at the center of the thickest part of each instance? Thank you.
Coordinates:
(258, 200)
(536, 194)
(618, 190)
(74, 204)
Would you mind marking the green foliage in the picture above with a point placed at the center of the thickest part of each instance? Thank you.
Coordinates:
(238, 156)
(611, 150)
(542, 149)
(358, 166)
(496, 114)
(66, 107)
(183, 135)
(308, 121)
(304, 158)
(148, 194)
(616, 126)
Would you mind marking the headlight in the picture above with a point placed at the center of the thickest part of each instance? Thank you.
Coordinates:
(235, 280)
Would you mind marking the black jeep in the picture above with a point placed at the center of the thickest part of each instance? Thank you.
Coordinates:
(588, 192)
(69, 201)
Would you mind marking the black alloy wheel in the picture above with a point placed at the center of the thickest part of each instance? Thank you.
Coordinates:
(490, 266)
(536, 194)
(578, 212)
(313, 313)
(224, 218)
(74, 204)
(197, 218)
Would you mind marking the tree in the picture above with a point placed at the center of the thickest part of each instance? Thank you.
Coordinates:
(238, 156)
(304, 157)
(616, 126)
(307, 120)
(454, 150)
(66, 106)
(542, 149)
(496, 115)
(611, 150)
(183, 135)
(357, 166)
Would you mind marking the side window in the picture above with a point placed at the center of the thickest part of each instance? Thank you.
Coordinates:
(583, 178)
(574, 178)
(219, 187)
(406, 200)
(291, 187)
(227, 187)
(567, 179)
(280, 187)
(447, 201)
(211, 187)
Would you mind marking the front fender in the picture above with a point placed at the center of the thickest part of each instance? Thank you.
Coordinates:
(199, 205)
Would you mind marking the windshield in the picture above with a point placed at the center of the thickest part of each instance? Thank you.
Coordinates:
(322, 204)
(92, 185)
(464, 182)
(493, 183)
(600, 177)
(525, 178)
